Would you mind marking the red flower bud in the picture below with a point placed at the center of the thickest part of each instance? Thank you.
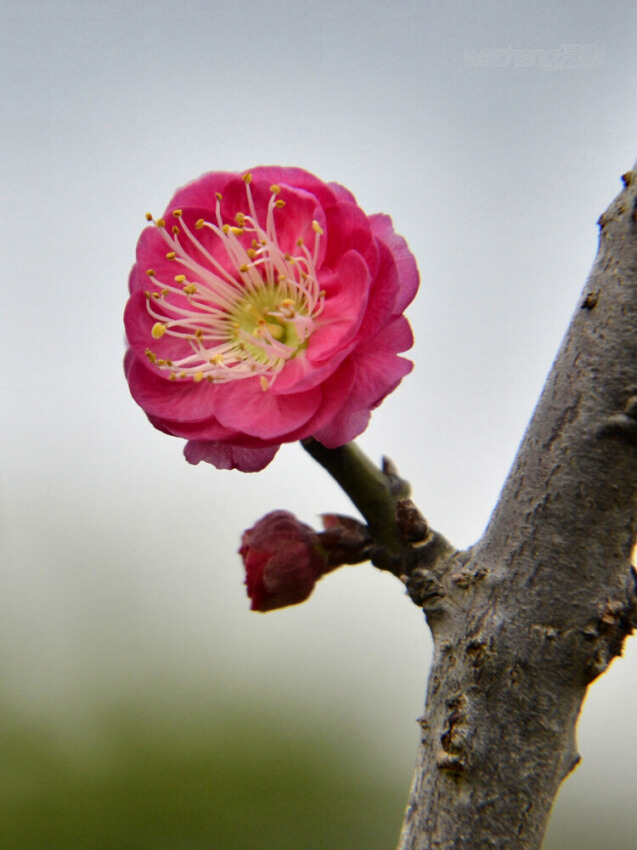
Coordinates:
(282, 561)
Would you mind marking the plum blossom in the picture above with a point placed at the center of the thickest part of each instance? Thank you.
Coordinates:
(282, 559)
(266, 307)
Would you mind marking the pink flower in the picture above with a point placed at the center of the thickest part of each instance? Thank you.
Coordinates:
(266, 308)
(282, 561)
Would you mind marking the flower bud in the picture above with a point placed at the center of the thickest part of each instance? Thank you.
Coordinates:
(282, 560)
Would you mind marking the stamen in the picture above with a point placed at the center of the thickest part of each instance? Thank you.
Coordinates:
(243, 323)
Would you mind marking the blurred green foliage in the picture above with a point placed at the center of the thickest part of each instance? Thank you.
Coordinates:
(141, 780)
(189, 775)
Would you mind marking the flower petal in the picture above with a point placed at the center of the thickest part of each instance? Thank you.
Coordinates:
(271, 416)
(228, 456)
(408, 274)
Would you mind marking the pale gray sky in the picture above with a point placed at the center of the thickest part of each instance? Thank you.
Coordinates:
(494, 133)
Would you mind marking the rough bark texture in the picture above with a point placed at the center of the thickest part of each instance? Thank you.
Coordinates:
(529, 616)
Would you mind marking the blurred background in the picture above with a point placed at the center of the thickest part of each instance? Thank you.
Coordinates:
(142, 705)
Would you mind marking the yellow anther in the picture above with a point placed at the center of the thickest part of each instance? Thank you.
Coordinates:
(177, 213)
(152, 357)
(316, 227)
(278, 204)
(251, 253)
(299, 241)
(190, 289)
(198, 377)
(150, 272)
(172, 376)
(155, 295)
(182, 375)
(218, 358)
(165, 292)
(161, 362)
(171, 255)
(264, 382)
(236, 230)
(149, 216)
(226, 229)
(275, 189)
(244, 268)
(160, 222)
(199, 223)
(169, 362)
(240, 219)
(158, 330)
(175, 230)
(247, 177)
(276, 330)
(180, 278)
(218, 196)
(198, 333)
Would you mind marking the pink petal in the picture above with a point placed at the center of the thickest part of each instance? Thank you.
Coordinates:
(335, 393)
(245, 406)
(343, 428)
(345, 303)
(176, 401)
(226, 456)
(382, 296)
(348, 229)
(202, 191)
(327, 194)
(378, 369)
(139, 323)
(408, 273)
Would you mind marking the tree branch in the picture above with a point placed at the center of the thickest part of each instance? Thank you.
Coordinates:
(538, 608)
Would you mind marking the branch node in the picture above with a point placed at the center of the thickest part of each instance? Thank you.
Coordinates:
(590, 300)
(622, 425)
(424, 589)
(468, 577)
(452, 764)
(397, 485)
(606, 635)
(412, 526)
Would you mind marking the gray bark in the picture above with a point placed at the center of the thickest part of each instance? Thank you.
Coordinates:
(530, 615)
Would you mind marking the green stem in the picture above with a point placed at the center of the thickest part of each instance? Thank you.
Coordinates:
(375, 492)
